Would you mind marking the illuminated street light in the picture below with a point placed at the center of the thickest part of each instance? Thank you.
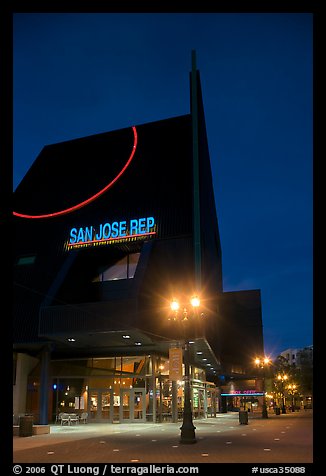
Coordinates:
(292, 389)
(195, 301)
(188, 435)
(282, 379)
(262, 364)
(175, 305)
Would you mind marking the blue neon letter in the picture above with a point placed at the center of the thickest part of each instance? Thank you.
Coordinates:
(73, 237)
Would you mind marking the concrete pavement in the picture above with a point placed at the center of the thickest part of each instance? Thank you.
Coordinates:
(285, 438)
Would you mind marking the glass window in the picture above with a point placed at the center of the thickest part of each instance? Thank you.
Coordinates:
(132, 265)
(125, 268)
(117, 271)
(24, 260)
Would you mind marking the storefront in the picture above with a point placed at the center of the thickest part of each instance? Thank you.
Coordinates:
(123, 389)
(242, 395)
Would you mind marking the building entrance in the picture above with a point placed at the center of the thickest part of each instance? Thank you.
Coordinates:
(132, 405)
(104, 405)
(199, 410)
(100, 405)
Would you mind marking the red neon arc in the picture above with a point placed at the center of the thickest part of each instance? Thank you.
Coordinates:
(93, 197)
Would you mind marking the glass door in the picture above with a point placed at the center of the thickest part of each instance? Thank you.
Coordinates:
(125, 405)
(93, 405)
(107, 406)
(100, 405)
(129, 406)
(132, 405)
(139, 399)
(198, 403)
(201, 403)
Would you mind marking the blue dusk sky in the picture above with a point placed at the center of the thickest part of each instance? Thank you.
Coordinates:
(78, 74)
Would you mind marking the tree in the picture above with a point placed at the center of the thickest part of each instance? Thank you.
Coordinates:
(299, 374)
(305, 371)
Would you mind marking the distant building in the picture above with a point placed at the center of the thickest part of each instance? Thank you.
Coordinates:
(294, 356)
(301, 360)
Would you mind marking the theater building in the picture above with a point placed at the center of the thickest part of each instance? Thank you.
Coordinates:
(109, 229)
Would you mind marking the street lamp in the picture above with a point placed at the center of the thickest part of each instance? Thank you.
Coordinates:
(282, 379)
(187, 429)
(263, 363)
(161, 367)
(292, 389)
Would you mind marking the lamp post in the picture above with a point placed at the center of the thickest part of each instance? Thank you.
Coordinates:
(188, 435)
(282, 379)
(263, 363)
(161, 367)
(292, 389)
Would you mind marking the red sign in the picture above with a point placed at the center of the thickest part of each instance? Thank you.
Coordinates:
(249, 392)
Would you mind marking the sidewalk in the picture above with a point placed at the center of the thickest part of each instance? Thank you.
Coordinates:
(280, 438)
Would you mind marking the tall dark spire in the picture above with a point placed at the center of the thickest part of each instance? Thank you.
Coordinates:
(196, 202)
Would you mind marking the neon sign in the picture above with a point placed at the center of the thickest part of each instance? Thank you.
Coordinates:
(243, 393)
(246, 392)
(93, 197)
(109, 233)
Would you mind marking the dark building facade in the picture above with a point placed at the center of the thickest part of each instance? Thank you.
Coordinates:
(108, 230)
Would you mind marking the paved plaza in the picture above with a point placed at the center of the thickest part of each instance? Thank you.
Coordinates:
(285, 438)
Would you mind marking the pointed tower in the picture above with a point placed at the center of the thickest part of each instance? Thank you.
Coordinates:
(206, 238)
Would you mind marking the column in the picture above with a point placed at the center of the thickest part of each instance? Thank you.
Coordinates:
(174, 401)
(44, 385)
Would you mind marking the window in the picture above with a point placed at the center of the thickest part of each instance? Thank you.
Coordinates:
(132, 265)
(25, 260)
(125, 268)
